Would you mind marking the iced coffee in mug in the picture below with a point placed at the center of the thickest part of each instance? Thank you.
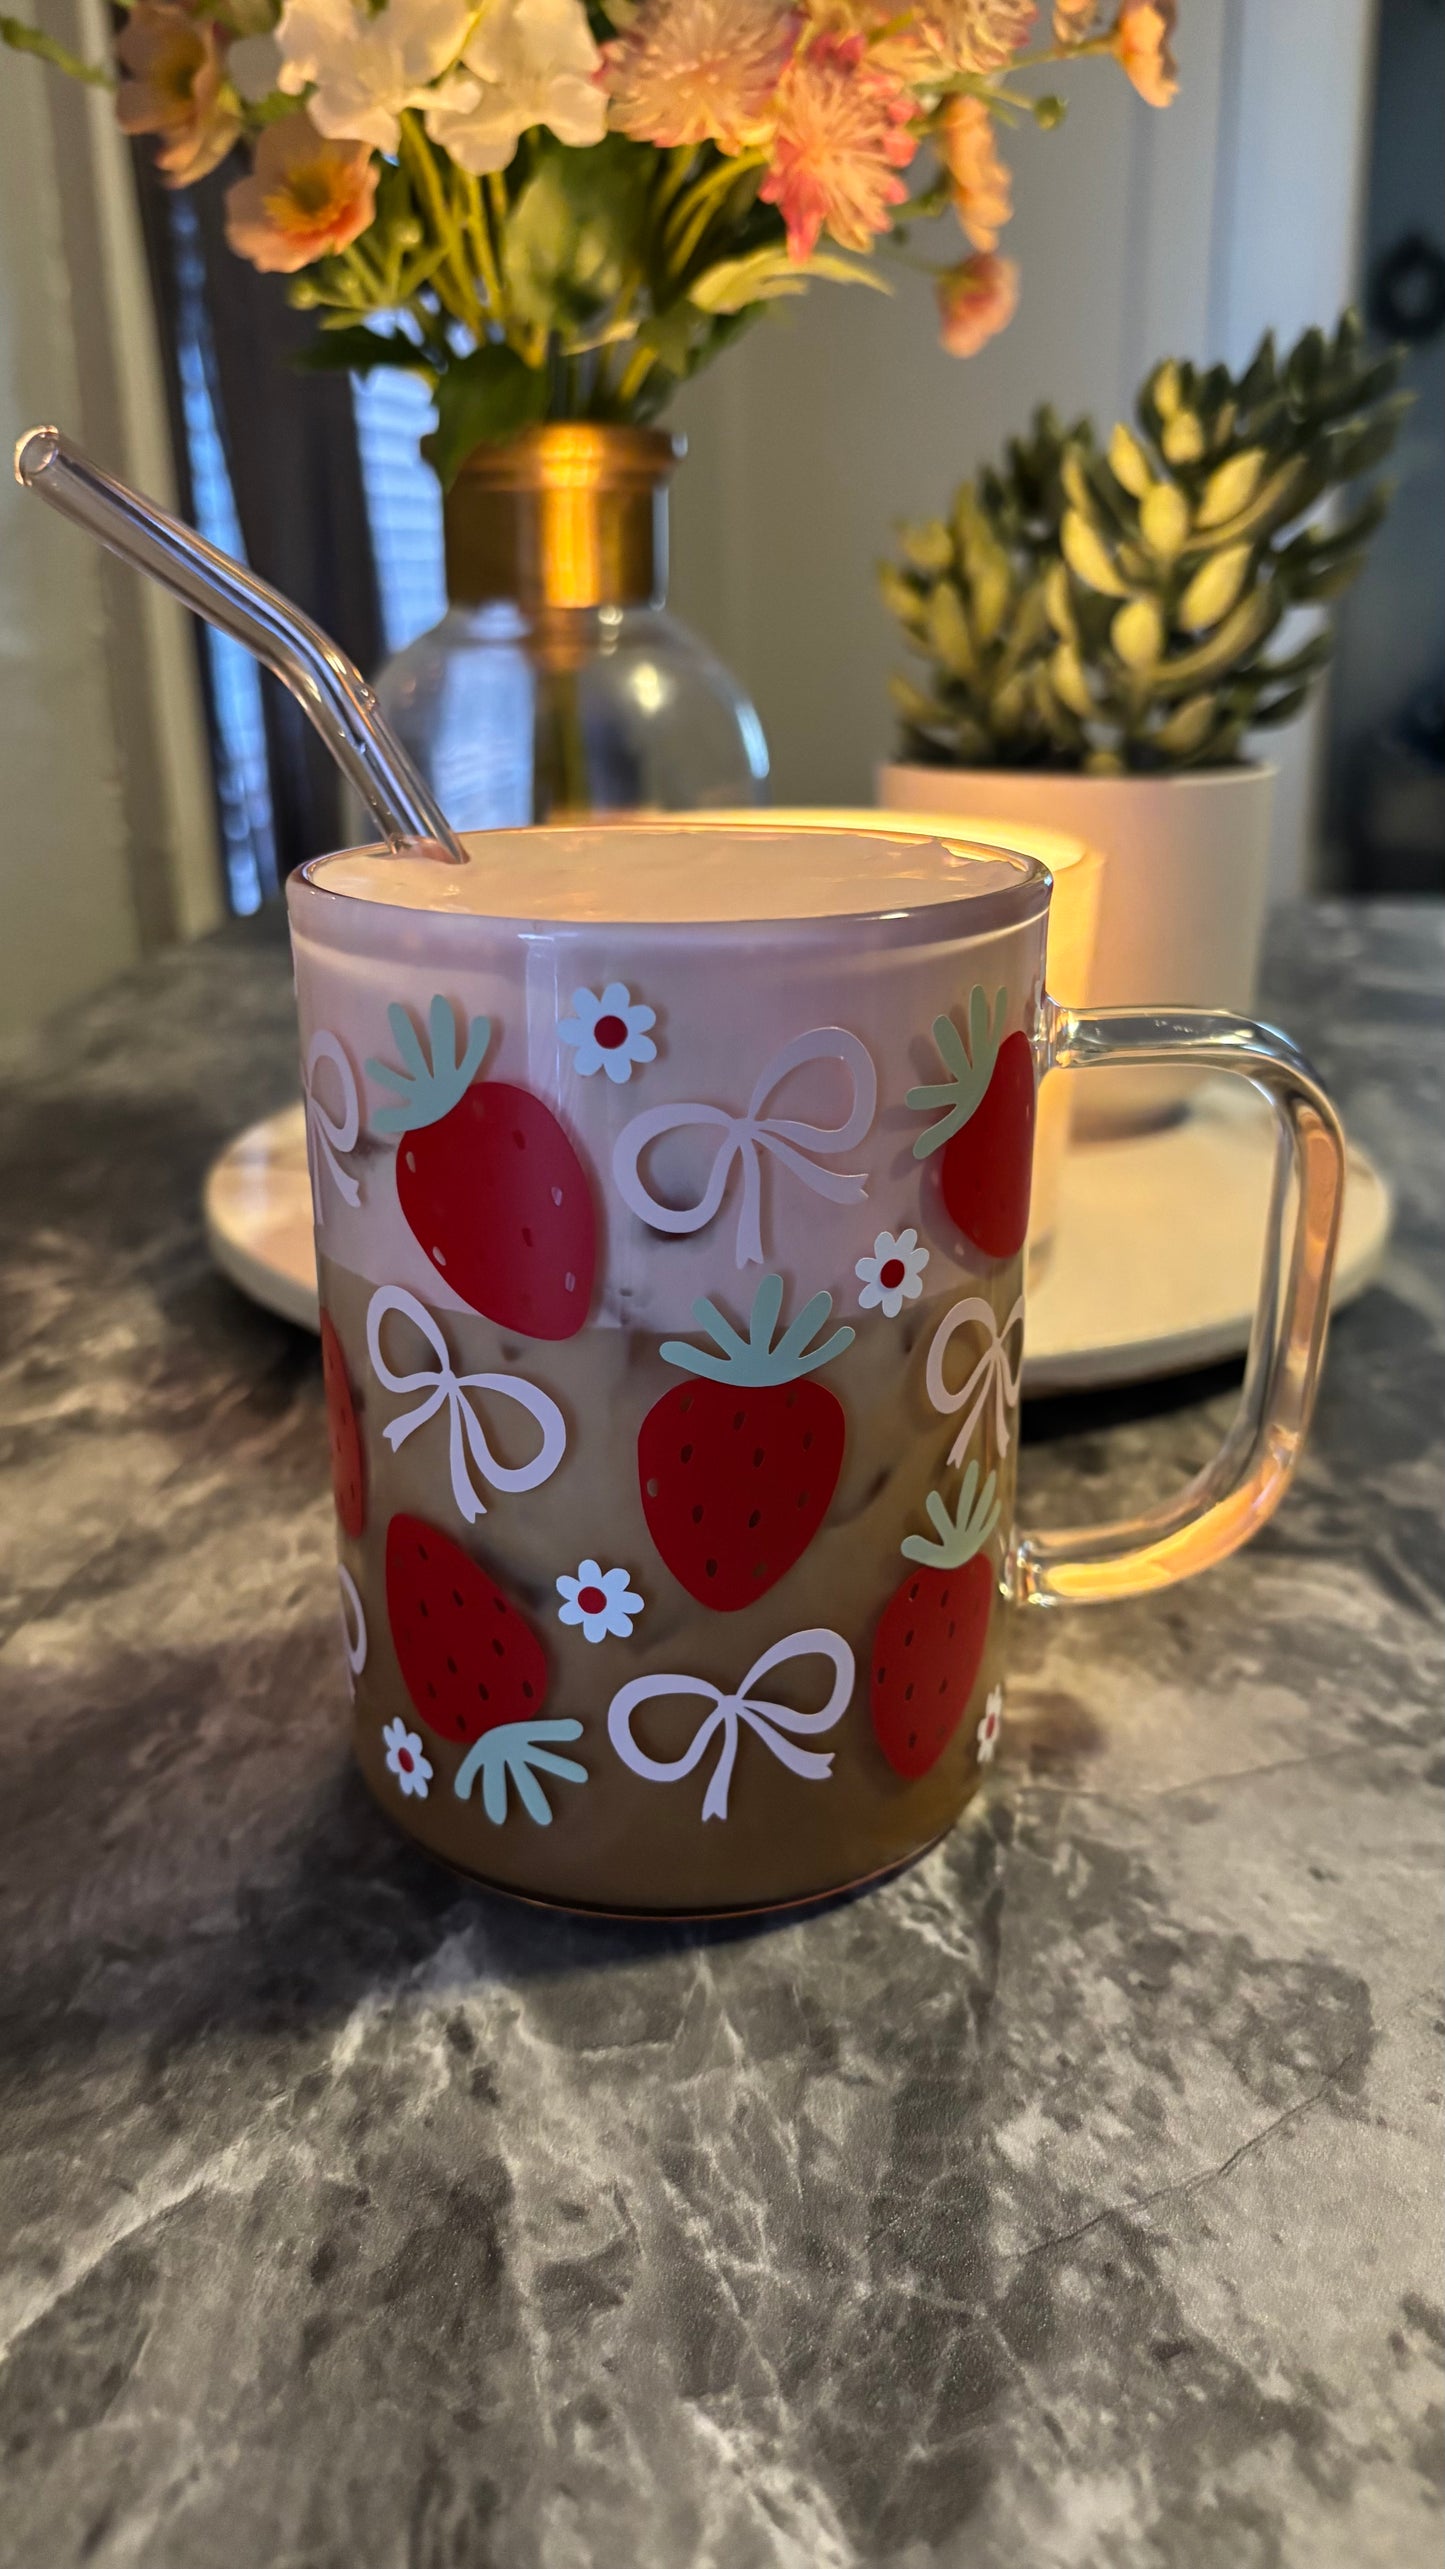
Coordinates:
(671, 1188)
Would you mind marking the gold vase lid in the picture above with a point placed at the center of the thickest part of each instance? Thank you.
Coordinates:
(570, 515)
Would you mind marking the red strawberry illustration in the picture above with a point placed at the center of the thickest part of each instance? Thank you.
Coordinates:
(473, 1667)
(986, 1133)
(490, 1185)
(931, 1633)
(348, 1458)
(737, 1470)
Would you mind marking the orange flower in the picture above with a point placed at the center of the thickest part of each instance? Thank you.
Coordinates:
(175, 90)
(305, 197)
(975, 301)
(1141, 41)
(842, 137)
(982, 197)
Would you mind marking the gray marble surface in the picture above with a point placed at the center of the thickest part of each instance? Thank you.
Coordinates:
(1072, 2199)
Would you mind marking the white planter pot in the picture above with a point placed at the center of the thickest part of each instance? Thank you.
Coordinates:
(1182, 899)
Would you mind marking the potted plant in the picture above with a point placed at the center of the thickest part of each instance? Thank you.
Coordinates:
(555, 215)
(1102, 628)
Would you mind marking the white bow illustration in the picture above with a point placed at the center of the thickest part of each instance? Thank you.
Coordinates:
(472, 1458)
(353, 1626)
(993, 1375)
(746, 1137)
(331, 1134)
(772, 1722)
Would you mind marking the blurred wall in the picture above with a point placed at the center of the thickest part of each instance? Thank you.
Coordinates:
(1139, 233)
(109, 845)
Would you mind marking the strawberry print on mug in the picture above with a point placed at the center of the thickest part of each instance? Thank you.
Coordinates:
(986, 1130)
(931, 1635)
(491, 1187)
(738, 1468)
(475, 1670)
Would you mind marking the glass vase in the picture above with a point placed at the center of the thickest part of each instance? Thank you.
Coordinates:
(557, 683)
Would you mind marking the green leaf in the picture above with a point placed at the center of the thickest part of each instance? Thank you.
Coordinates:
(1255, 617)
(926, 546)
(1128, 461)
(480, 400)
(1231, 487)
(948, 634)
(1164, 520)
(354, 350)
(903, 598)
(23, 39)
(1261, 375)
(1163, 388)
(1183, 438)
(1069, 683)
(1360, 451)
(1326, 581)
(575, 235)
(1215, 587)
(1281, 497)
(1188, 727)
(1087, 556)
(1010, 707)
(990, 590)
(1060, 604)
(768, 276)
(1311, 657)
(916, 707)
(1282, 709)
(1305, 363)
(1137, 634)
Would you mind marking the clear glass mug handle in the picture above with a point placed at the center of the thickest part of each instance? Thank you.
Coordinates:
(1242, 1486)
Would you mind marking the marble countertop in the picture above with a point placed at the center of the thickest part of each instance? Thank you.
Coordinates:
(1071, 2199)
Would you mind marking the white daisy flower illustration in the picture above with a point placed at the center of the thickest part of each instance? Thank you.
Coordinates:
(602, 1601)
(990, 1726)
(405, 1759)
(893, 1275)
(609, 1033)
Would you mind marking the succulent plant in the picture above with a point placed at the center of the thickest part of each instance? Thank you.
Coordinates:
(1112, 609)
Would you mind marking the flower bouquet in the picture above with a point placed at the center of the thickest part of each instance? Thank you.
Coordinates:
(559, 212)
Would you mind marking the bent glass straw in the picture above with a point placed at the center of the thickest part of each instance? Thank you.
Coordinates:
(328, 687)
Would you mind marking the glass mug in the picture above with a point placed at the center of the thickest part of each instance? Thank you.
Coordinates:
(671, 1186)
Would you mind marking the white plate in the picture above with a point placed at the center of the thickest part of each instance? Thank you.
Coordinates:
(1152, 1268)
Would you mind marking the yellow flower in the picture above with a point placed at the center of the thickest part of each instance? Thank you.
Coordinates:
(982, 197)
(175, 90)
(1141, 42)
(975, 301)
(306, 196)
